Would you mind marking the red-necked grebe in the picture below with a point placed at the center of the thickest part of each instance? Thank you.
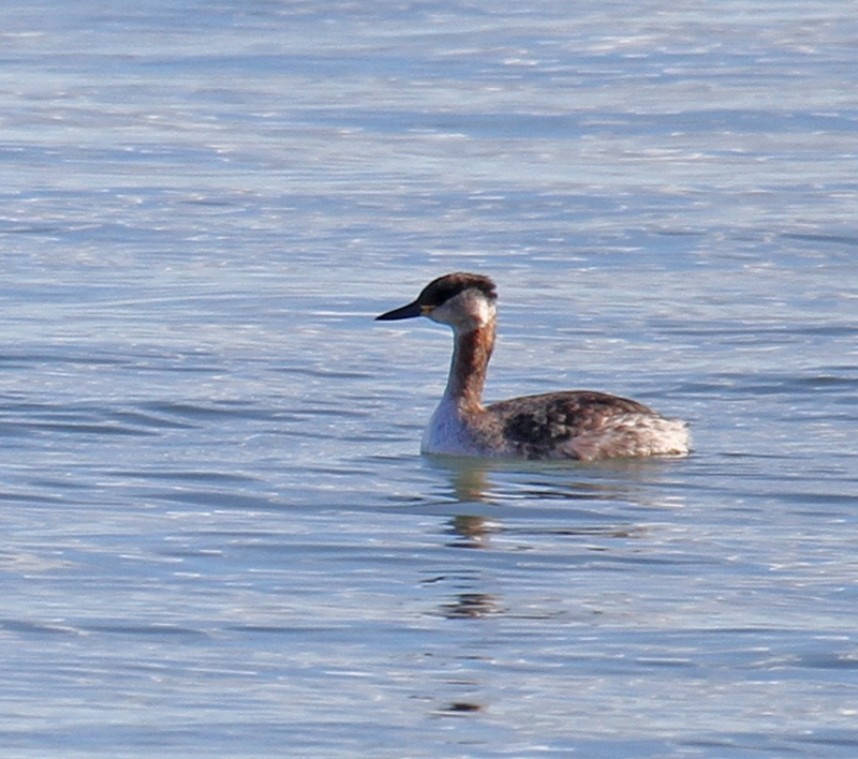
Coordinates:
(575, 424)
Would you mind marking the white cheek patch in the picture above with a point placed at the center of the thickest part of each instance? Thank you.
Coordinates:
(482, 312)
(467, 310)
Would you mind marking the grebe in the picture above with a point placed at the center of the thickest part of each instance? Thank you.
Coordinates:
(577, 424)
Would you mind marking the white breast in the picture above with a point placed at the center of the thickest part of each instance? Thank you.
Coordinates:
(446, 434)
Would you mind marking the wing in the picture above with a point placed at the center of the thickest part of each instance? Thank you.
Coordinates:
(545, 426)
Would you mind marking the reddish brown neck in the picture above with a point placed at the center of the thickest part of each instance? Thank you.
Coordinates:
(468, 370)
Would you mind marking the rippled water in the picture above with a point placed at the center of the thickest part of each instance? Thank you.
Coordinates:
(219, 536)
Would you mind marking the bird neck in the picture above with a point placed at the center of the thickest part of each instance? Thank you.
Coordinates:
(471, 354)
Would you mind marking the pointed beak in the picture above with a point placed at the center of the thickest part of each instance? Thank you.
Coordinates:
(404, 312)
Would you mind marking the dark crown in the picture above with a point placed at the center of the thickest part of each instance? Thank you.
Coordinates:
(440, 290)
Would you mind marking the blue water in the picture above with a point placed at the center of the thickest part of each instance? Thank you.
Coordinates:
(219, 537)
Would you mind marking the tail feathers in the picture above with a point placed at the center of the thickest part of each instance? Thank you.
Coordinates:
(633, 435)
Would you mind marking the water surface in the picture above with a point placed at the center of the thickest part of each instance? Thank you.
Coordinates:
(219, 536)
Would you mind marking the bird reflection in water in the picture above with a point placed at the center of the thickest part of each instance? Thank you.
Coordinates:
(488, 509)
(472, 531)
(460, 709)
(472, 606)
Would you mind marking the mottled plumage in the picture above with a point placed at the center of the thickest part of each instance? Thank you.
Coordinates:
(577, 424)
